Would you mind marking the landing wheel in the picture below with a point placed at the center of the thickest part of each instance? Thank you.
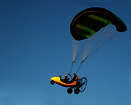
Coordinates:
(76, 90)
(52, 82)
(69, 90)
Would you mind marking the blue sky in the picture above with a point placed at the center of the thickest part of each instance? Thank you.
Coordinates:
(35, 44)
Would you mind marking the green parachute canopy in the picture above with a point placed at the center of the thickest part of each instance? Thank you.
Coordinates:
(89, 21)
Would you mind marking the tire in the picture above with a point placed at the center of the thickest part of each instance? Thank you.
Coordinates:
(76, 90)
(52, 82)
(69, 90)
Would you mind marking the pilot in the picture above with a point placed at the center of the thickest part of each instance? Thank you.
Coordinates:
(66, 79)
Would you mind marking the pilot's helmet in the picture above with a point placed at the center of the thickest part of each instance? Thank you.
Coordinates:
(66, 76)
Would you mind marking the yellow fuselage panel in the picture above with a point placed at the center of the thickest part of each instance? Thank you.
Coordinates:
(58, 81)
